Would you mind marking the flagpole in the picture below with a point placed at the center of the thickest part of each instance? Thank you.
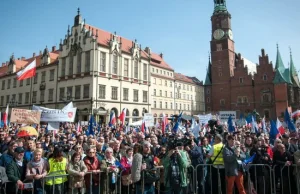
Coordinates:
(30, 104)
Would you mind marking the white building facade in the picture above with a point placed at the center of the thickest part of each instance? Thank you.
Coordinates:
(99, 72)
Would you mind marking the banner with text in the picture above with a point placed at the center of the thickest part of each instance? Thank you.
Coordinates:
(149, 120)
(224, 115)
(56, 115)
(23, 116)
(203, 119)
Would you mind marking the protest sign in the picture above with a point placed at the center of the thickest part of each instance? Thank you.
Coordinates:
(56, 115)
(23, 116)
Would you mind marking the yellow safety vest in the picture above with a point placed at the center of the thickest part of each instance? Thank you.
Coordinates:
(217, 149)
(57, 169)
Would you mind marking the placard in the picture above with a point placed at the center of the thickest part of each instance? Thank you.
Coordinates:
(23, 116)
(149, 120)
(56, 115)
(224, 115)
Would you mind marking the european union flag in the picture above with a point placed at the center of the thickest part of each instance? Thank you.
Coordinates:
(92, 124)
(231, 127)
(288, 121)
(176, 126)
(273, 131)
(249, 119)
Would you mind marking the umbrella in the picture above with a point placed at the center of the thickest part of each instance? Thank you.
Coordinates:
(27, 131)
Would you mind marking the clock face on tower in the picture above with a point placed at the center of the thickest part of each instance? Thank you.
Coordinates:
(230, 34)
(218, 34)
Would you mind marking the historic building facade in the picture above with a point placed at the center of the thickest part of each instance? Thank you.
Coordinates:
(99, 72)
(234, 83)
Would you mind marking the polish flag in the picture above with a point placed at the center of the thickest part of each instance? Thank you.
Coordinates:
(279, 127)
(27, 72)
(112, 120)
(164, 123)
(143, 128)
(79, 127)
(5, 117)
(122, 116)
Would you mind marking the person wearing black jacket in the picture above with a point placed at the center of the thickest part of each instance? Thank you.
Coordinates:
(197, 157)
(283, 160)
(262, 172)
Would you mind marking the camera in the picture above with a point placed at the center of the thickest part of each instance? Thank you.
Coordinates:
(173, 142)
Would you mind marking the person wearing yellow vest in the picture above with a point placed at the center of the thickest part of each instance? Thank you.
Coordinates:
(217, 170)
(57, 172)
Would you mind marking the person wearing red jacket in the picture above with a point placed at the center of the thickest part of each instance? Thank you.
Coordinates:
(126, 163)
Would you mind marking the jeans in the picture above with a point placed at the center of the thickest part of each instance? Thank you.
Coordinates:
(148, 189)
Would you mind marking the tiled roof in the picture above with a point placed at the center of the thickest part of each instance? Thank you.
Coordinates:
(104, 38)
(20, 64)
(183, 78)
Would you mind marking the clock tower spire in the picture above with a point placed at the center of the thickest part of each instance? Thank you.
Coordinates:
(222, 55)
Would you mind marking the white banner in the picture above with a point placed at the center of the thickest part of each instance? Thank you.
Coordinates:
(224, 115)
(149, 120)
(55, 115)
(203, 119)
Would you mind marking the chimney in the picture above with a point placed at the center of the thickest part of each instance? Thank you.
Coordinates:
(23, 58)
(53, 48)
(33, 55)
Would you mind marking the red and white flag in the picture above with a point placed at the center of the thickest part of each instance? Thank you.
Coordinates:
(122, 116)
(143, 128)
(164, 123)
(5, 117)
(279, 127)
(296, 114)
(27, 72)
(79, 127)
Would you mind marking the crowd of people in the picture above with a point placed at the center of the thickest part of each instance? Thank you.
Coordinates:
(115, 160)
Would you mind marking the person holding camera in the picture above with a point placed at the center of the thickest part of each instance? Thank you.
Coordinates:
(175, 171)
(233, 166)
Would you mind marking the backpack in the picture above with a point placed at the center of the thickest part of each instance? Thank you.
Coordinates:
(175, 179)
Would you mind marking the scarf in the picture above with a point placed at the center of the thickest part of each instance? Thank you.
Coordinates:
(37, 164)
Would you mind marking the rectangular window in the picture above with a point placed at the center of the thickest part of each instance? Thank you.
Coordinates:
(171, 105)
(34, 94)
(154, 81)
(43, 76)
(15, 83)
(26, 97)
(188, 107)
(7, 99)
(86, 91)
(102, 61)
(13, 98)
(102, 91)
(115, 64)
(8, 83)
(154, 92)
(77, 92)
(160, 92)
(69, 92)
(184, 107)
(160, 81)
(187, 97)
(241, 80)
(61, 93)
(166, 94)
(51, 75)
(180, 107)
(50, 95)
(78, 63)
(20, 100)
(176, 105)
(21, 83)
(154, 104)
(136, 69)
(35, 78)
(191, 97)
(71, 65)
(166, 105)
(2, 101)
(125, 94)
(160, 104)
(63, 67)
(27, 82)
(42, 96)
(3, 85)
(114, 93)
(126, 67)
(166, 83)
(145, 96)
(171, 94)
(135, 95)
(145, 71)
(87, 61)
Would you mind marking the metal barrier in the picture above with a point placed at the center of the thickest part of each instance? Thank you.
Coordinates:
(202, 179)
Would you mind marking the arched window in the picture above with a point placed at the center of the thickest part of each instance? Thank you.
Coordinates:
(266, 98)
(265, 77)
(135, 115)
(127, 116)
(116, 111)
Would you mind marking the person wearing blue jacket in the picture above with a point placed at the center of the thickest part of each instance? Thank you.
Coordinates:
(7, 158)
